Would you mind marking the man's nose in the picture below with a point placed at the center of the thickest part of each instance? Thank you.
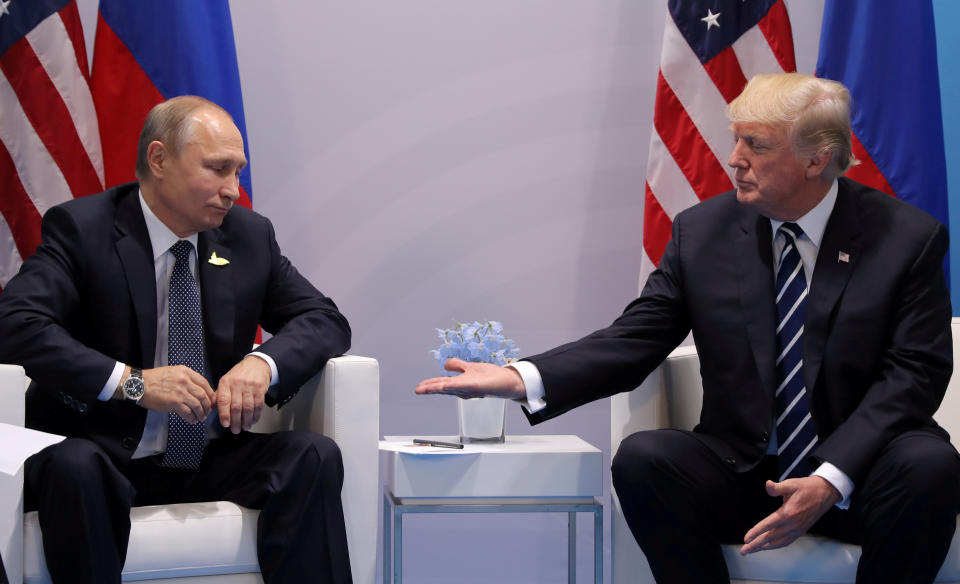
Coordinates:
(736, 159)
(231, 189)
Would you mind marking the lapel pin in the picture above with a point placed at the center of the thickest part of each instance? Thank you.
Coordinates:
(841, 257)
(217, 261)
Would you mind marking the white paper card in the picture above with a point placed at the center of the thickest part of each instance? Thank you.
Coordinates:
(515, 443)
(19, 444)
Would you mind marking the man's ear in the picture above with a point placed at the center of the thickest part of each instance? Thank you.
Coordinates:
(816, 164)
(157, 158)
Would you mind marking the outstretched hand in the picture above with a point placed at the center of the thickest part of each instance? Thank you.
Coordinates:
(476, 380)
(805, 500)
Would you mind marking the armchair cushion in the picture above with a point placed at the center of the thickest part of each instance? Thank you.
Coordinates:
(228, 533)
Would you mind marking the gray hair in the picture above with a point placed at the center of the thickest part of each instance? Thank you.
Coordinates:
(816, 113)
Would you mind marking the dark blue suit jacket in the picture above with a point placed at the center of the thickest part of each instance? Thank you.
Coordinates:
(877, 343)
(87, 299)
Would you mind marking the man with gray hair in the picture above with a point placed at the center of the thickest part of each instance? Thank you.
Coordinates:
(135, 320)
(821, 317)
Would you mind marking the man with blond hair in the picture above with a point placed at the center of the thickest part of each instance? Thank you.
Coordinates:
(821, 317)
(135, 320)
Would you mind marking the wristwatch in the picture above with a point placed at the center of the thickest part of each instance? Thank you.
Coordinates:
(133, 387)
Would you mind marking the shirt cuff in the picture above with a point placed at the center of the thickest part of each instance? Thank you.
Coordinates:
(113, 381)
(274, 376)
(840, 481)
(533, 384)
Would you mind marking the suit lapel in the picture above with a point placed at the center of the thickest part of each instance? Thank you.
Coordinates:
(136, 256)
(830, 277)
(754, 256)
(217, 298)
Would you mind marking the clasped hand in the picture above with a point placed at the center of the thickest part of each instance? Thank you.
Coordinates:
(239, 396)
(476, 380)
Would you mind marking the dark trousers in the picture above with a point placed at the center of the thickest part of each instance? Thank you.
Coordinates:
(84, 498)
(681, 501)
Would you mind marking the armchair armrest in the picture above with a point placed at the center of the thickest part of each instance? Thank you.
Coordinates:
(670, 397)
(13, 383)
(350, 386)
(343, 403)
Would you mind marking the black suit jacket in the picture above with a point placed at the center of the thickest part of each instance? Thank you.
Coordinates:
(88, 298)
(877, 352)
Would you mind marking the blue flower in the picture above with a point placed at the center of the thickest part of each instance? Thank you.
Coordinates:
(476, 342)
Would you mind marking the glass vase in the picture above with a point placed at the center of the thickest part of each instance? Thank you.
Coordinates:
(482, 419)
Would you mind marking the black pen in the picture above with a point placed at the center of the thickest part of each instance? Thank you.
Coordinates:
(437, 443)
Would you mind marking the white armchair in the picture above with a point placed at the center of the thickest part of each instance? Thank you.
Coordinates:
(671, 397)
(215, 543)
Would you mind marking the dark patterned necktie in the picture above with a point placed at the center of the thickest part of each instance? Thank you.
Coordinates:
(796, 435)
(185, 347)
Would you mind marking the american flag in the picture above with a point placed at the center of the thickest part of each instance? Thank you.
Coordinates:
(710, 49)
(49, 140)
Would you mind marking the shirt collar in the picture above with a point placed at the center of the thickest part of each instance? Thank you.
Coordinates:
(161, 238)
(814, 222)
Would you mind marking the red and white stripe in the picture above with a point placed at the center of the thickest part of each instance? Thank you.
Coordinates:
(691, 140)
(49, 139)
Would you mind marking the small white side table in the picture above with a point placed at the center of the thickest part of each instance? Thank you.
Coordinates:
(550, 474)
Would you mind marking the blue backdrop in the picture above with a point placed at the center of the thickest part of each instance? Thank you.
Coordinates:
(947, 14)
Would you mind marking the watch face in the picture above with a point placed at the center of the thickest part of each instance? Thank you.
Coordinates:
(133, 388)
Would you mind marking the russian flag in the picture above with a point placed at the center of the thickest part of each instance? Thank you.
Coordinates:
(151, 50)
(885, 52)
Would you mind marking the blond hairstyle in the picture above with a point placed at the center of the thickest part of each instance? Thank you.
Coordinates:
(167, 123)
(816, 113)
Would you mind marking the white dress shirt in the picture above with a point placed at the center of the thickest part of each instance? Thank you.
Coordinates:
(813, 223)
(154, 439)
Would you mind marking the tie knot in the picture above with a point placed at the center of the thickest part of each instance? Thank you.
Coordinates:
(791, 230)
(181, 250)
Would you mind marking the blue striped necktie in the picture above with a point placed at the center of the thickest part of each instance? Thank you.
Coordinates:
(796, 435)
(184, 347)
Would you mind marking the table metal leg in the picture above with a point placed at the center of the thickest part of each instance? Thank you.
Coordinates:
(397, 546)
(598, 545)
(395, 509)
(387, 527)
(572, 547)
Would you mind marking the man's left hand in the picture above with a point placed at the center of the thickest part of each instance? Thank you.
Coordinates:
(240, 393)
(805, 500)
